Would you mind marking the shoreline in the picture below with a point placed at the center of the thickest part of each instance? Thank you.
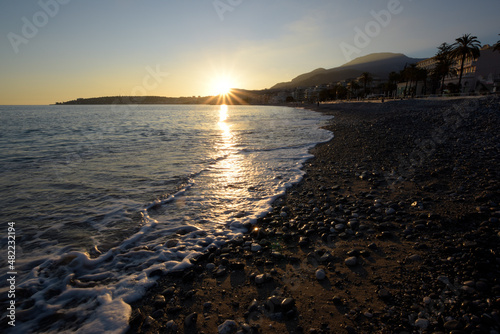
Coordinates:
(394, 228)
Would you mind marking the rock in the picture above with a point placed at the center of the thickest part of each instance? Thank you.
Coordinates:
(168, 292)
(287, 304)
(148, 322)
(452, 325)
(415, 258)
(320, 274)
(325, 258)
(158, 314)
(351, 261)
(221, 271)
(191, 319)
(422, 323)
(273, 303)
(339, 227)
(159, 301)
(353, 224)
(246, 327)
(259, 279)
(255, 247)
(171, 327)
(253, 306)
(303, 241)
(228, 327)
(390, 211)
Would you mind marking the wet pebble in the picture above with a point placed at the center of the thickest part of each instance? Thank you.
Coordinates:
(351, 261)
(159, 301)
(422, 323)
(287, 304)
(415, 258)
(171, 327)
(228, 327)
(259, 279)
(191, 319)
(320, 274)
(255, 247)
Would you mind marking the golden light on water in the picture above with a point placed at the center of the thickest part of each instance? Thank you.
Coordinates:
(223, 113)
(227, 136)
(230, 168)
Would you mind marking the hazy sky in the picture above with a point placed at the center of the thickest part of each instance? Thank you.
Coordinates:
(58, 50)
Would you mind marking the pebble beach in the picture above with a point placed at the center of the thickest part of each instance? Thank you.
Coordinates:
(394, 229)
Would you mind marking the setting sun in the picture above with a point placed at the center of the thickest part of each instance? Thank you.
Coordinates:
(222, 87)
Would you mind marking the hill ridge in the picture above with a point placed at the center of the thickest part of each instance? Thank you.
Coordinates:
(378, 64)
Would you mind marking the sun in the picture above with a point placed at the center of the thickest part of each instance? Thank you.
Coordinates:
(222, 87)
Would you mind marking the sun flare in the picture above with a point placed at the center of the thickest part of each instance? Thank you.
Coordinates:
(222, 87)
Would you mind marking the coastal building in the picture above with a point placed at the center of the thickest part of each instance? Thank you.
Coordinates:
(480, 76)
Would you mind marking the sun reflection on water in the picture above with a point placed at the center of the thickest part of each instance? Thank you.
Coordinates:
(223, 113)
(228, 182)
(227, 136)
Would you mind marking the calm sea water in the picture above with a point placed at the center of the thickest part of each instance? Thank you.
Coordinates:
(96, 192)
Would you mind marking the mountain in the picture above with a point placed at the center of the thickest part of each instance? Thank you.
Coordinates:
(378, 64)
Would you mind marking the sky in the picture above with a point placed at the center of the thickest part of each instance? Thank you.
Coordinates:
(59, 50)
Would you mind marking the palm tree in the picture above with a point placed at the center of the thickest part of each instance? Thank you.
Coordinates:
(392, 84)
(445, 64)
(496, 47)
(409, 74)
(421, 75)
(464, 46)
(353, 88)
(365, 78)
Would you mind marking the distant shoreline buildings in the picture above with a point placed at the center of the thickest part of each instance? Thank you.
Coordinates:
(481, 75)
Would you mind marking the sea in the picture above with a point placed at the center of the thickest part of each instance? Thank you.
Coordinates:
(97, 200)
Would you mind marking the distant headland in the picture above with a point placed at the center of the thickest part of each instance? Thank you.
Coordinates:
(138, 100)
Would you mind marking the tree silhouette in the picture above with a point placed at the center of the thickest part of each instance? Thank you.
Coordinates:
(444, 66)
(496, 47)
(392, 83)
(409, 74)
(353, 87)
(421, 75)
(366, 78)
(465, 46)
